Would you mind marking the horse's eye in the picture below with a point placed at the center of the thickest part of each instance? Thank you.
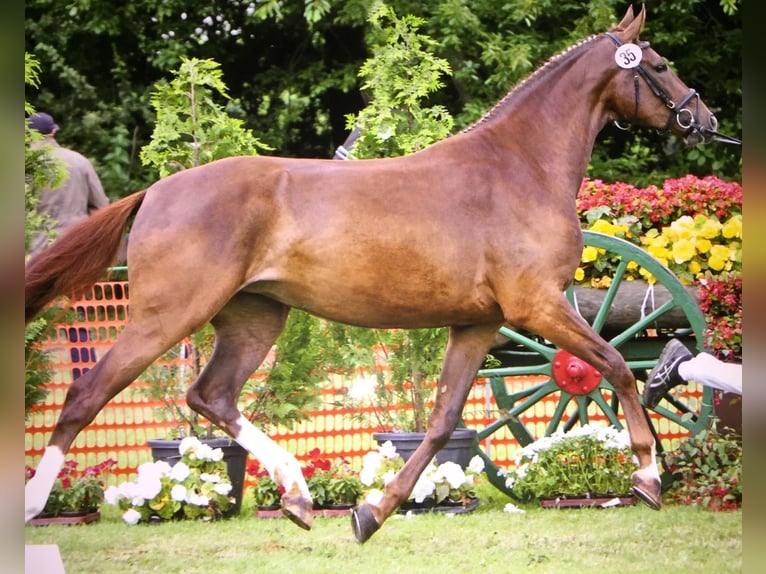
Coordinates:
(661, 67)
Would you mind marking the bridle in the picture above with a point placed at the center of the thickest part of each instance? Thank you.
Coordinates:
(680, 112)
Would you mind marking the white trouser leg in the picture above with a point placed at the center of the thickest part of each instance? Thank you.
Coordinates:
(706, 370)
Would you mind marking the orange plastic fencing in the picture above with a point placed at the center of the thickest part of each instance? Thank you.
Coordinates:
(122, 428)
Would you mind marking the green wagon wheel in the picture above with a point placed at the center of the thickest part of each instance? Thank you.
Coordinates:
(638, 333)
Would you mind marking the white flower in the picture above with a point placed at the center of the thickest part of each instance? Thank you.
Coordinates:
(205, 452)
(149, 482)
(513, 509)
(388, 450)
(424, 488)
(178, 493)
(112, 495)
(216, 454)
(198, 499)
(129, 491)
(180, 471)
(149, 471)
(162, 467)
(207, 477)
(222, 488)
(131, 516)
(476, 465)
(190, 443)
(451, 472)
(370, 464)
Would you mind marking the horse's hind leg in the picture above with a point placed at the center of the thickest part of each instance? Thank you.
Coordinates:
(465, 352)
(245, 330)
(559, 323)
(136, 348)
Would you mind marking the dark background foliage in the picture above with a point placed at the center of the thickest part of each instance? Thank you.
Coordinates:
(291, 67)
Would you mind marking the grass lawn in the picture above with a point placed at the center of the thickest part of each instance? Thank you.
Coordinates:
(628, 539)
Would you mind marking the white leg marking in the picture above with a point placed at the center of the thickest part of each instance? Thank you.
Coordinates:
(39, 486)
(281, 465)
(650, 471)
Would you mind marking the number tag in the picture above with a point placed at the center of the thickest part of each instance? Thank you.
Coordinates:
(628, 56)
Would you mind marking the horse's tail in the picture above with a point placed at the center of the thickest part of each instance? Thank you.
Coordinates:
(78, 258)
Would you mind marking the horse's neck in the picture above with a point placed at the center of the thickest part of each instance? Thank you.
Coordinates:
(552, 119)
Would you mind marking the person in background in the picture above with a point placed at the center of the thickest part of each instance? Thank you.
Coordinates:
(81, 191)
(677, 365)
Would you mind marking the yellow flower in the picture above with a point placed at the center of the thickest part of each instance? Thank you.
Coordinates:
(703, 245)
(660, 253)
(681, 228)
(718, 256)
(694, 267)
(683, 250)
(655, 241)
(589, 254)
(603, 226)
(733, 227)
(708, 227)
(648, 277)
(579, 274)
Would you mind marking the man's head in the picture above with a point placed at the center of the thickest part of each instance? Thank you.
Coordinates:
(43, 123)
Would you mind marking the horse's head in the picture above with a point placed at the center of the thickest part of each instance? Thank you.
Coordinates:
(645, 91)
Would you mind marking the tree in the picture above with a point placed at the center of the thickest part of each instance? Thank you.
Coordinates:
(293, 65)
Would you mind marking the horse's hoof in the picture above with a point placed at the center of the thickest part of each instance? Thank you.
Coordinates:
(364, 523)
(649, 491)
(299, 510)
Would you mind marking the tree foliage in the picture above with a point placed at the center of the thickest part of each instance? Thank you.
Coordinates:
(402, 72)
(293, 66)
(192, 128)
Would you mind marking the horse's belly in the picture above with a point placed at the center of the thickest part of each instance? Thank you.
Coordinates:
(413, 301)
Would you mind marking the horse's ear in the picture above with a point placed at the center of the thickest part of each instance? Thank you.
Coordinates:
(627, 19)
(634, 27)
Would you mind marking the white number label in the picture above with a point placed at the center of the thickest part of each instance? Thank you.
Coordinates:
(628, 56)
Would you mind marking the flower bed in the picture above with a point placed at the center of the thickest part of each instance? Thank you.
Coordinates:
(588, 461)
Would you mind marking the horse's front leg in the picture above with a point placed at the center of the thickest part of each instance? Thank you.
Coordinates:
(465, 352)
(558, 322)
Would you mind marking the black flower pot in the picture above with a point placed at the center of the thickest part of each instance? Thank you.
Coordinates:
(459, 448)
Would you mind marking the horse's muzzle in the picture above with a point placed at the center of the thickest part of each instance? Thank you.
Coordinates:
(701, 134)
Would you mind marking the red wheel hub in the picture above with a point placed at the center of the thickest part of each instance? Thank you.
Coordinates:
(574, 375)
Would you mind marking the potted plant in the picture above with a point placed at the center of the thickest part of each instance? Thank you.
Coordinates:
(335, 487)
(77, 494)
(587, 466)
(197, 487)
(266, 492)
(441, 486)
(332, 484)
(707, 469)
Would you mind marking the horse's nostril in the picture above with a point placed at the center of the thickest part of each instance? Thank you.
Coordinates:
(714, 123)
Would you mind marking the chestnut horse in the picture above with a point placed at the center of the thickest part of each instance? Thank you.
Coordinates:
(474, 231)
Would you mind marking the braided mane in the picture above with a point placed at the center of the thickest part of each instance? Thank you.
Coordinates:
(532, 79)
